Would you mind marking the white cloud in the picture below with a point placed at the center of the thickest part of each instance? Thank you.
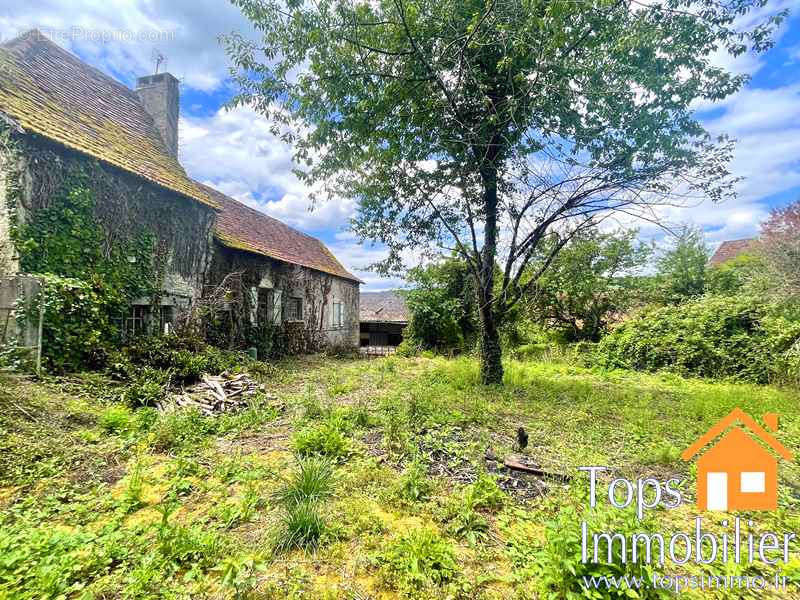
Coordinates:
(121, 35)
(235, 151)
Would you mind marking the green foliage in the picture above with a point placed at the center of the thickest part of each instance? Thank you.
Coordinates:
(489, 129)
(736, 337)
(147, 386)
(116, 419)
(77, 322)
(88, 282)
(414, 485)
(463, 513)
(64, 238)
(681, 270)
(132, 497)
(323, 439)
(742, 274)
(591, 280)
(187, 546)
(313, 481)
(485, 493)
(181, 430)
(184, 358)
(418, 559)
(442, 305)
(558, 566)
(302, 526)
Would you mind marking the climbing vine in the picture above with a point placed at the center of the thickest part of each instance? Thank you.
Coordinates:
(89, 280)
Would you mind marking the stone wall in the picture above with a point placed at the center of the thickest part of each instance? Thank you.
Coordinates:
(317, 291)
(125, 205)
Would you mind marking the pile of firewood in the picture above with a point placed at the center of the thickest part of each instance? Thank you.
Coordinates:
(214, 394)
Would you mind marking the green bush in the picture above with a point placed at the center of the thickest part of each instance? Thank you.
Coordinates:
(302, 526)
(324, 439)
(311, 482)
(558, 567)
(186, 359)
(419, 559)
(741, 338)
(77, 328)
(147, 386)
(116, 419)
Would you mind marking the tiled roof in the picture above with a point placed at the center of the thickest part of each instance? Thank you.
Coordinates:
(48, 91)
(383, 307)
(243, 228)
(731, 249)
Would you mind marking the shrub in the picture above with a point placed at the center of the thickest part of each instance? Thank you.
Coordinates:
(116, 419)
(312, 481)
(301, 526)
(147, 387)
(418, 559)
(185, 358)
(710, 337)
(414, 484)
(558, 566)
(324, 439)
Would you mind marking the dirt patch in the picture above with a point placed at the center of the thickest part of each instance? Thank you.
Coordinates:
(252, 444)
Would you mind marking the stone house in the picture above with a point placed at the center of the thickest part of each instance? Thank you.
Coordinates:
(59, 117)
(383, 316)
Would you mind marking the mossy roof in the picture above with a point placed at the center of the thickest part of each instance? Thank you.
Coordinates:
(48, 91)
(243, 228)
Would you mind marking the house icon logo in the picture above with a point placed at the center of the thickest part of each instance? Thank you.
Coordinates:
(740, 470)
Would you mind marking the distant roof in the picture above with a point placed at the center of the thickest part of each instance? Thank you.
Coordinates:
(731, 249)
(383, 307)
(46, 90)
(243, 228)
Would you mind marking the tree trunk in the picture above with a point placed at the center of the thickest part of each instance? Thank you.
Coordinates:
(491, 353)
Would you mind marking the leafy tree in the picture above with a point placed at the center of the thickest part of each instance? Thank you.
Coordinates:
(590, 280)
(681, 271)
(493, 127)
(780, 246)
(442, 304)
(743, 274)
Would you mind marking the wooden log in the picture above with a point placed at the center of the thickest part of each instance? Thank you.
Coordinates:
(514, 464)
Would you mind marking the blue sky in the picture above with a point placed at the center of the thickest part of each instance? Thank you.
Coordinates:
(235, 152)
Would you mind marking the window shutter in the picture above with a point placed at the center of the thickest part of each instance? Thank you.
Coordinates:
(277, 307)
(253, 305)
(332, 312)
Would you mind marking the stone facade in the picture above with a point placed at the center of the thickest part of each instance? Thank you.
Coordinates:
(125, 205)
(65, 126)
(326, 305)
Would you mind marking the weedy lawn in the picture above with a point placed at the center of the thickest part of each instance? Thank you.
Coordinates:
(364, 479)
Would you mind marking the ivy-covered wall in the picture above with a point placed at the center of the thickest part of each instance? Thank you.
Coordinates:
(317, 291)
(131, 216)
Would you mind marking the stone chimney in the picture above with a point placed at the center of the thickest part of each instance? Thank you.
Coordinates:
(160, 97)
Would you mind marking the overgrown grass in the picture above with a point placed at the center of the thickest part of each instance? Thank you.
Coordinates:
(372, 483)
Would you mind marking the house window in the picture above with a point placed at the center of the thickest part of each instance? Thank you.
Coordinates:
(135, 321)
(294, 309)
(753, 482)
(166, 319)
(337, 319)
(266, 306)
